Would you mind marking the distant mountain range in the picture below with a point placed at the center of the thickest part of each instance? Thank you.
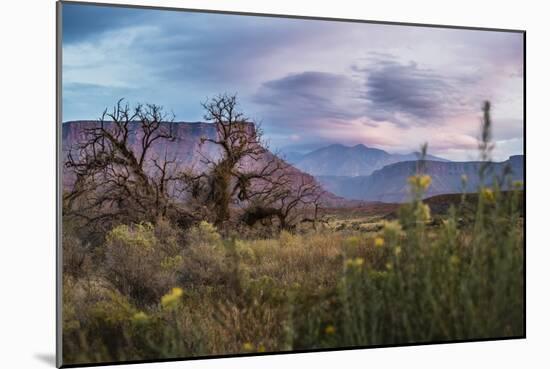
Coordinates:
(389, 184)
(346, 173)
(340, 160)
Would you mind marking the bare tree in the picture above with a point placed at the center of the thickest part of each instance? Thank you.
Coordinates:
(118, 176)
(316, 202)
(246, 172)
(241, 167)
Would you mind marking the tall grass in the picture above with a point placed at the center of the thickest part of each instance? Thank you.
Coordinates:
(450, 283)
(154, 292)
(412, 281)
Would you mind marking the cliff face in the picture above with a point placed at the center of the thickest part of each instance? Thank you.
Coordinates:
(389, 184)
(184, 149)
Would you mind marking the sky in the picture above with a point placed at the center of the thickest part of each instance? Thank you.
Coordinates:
(309, 83)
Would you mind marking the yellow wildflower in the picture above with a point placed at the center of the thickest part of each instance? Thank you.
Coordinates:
(261, 348)
(455, 260)
(171, 299)
(140, 317)
(247, 346)
(421, 182)
(392, 229)
(355, 262)
(330, 330)
(488, 195)
(425, 182)
(378, 242)
(397, 251)
(424, 212)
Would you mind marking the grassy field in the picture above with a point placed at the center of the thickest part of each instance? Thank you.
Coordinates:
(392, 275)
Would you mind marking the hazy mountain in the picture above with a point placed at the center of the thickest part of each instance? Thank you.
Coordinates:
(293, 157)
(389, 184)
(341, 160)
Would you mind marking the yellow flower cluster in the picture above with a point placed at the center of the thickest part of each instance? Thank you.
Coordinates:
(488, 195)
(392, 229)
(378, 242)
(355, 262)
(423, 212)
(249, 347)
(171, 299)
(330, 330)
(140, 317)
(420, 182)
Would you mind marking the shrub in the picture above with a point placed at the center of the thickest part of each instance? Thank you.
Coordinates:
(447, 283)
(204, 233)
(204, 258)
(138, 263)
(95, 319)
(77, 257)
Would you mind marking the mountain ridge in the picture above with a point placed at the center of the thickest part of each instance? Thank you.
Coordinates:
(389, 184)
(358, 160)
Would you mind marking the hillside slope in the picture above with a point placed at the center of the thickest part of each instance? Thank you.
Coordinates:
(389, 184)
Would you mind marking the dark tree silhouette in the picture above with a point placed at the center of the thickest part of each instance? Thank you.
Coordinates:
(244, 166)
(121, 177)
(118, 175)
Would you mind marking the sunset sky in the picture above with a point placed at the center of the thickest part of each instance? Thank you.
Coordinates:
(310, 83)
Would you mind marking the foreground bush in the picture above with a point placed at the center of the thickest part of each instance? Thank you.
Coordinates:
(426, 284)
(141, 260)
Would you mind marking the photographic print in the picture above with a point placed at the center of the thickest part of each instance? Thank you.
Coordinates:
(239, 184)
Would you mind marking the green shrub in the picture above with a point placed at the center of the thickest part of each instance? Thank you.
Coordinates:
(77, 257)
(138, 263)
(204, 258)
(447, 283)
(204, 233)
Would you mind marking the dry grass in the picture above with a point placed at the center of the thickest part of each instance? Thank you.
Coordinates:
(409, 280)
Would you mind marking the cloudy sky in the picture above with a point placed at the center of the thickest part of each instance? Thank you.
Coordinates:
(310, 83)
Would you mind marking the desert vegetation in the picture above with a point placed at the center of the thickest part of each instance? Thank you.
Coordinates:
(243, 253)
